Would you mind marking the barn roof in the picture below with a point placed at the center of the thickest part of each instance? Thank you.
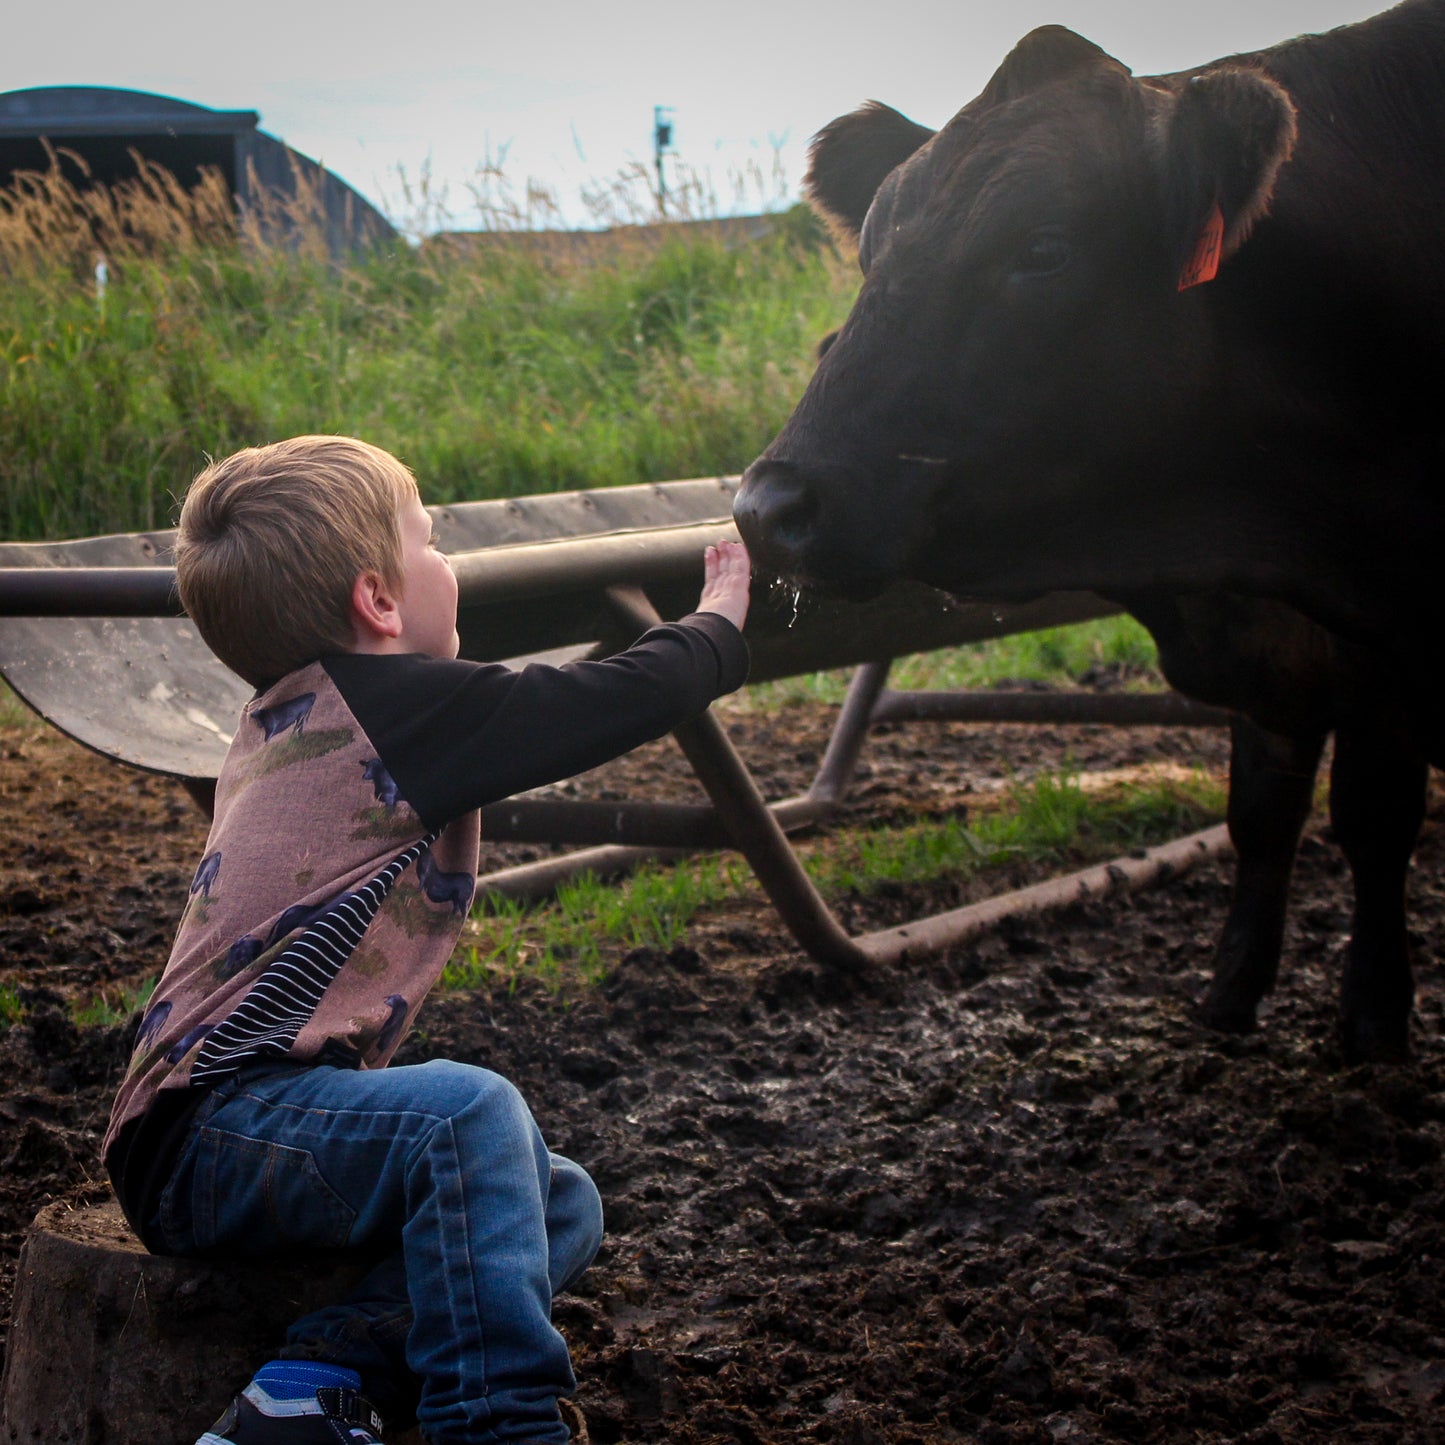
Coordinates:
(103, 125)
(54, 110)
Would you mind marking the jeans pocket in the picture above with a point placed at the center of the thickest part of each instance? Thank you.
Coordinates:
(249, 1196)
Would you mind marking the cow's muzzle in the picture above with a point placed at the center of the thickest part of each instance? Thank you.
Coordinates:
(815, 534)
(777, 513)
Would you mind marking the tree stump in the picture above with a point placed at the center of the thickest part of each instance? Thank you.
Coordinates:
(110, 1345)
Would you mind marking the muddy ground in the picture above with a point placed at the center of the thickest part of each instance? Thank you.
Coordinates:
(1014, 1194)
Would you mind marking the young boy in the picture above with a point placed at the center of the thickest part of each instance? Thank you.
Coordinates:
(258, 1115)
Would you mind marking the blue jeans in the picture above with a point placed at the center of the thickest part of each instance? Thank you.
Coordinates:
(440, 1170)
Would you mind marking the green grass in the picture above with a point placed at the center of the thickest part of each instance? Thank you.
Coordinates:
(12, 1011)
(1051, 819)
(113, 1006)
(591, 924)
(13, 712)
(109, 1008)
(1057, 656)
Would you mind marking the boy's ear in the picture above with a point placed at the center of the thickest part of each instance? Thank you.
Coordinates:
(374, 610)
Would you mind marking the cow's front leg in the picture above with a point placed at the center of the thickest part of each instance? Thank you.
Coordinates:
(1271, 789)
(1377, 801)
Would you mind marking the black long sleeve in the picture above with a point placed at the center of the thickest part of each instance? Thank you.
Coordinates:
(455, 735)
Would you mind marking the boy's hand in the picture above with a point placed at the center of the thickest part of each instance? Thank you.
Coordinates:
(726, 574)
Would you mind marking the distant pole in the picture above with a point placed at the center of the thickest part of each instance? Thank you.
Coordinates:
(661, 146)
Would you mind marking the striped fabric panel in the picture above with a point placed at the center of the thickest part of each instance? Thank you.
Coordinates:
(279, 1004)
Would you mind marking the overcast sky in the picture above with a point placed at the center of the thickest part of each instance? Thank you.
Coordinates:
(564, 90)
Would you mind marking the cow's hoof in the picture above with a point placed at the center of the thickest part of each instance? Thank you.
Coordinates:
(1226, 1015)
(1375, 1041)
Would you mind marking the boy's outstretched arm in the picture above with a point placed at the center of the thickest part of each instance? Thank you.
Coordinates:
(726, 575)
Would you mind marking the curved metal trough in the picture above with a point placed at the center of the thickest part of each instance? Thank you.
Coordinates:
(91, 639)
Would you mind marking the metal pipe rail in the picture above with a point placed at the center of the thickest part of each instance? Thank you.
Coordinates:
(89, 592)
(511, 573)
(1114, 709)
(684, 826)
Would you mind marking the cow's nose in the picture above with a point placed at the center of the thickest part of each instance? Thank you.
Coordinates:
(777, 513)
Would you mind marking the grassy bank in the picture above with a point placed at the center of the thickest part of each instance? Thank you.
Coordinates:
(494, 368)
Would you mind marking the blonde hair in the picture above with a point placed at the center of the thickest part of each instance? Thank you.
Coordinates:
(272, 540)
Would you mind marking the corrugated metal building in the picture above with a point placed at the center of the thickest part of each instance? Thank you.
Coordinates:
(104, 125)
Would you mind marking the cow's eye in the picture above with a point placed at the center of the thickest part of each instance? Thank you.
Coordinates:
(1043, 252)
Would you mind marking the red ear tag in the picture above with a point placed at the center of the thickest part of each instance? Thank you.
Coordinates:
(1203, 265)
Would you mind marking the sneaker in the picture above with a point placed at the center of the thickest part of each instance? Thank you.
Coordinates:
(326, 1415)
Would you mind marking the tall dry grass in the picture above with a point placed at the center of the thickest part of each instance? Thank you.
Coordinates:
(49, 223)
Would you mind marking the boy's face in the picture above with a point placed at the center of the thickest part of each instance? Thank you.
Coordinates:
(428, 603)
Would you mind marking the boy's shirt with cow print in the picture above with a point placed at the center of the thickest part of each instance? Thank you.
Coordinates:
(342, 857)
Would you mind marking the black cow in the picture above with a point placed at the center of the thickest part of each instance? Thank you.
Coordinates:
(1175, 339)
(207, 872)
(383, 785)
(283, 716)
(441, 886)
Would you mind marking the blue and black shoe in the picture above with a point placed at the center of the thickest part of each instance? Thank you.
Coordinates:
(298, 1402)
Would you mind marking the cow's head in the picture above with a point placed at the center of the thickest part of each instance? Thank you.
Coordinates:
(1021, 339)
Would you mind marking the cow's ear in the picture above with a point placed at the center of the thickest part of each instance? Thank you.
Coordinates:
(1231, 132)
(850, 157)
(1043, 56)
